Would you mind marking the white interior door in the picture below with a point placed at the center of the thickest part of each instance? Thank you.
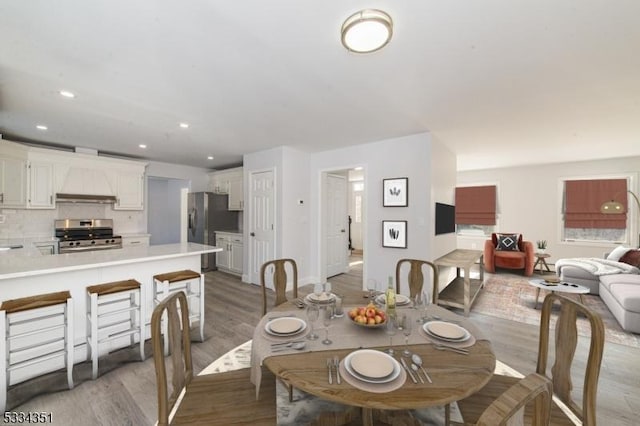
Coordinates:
(262, 222)
(336, 215)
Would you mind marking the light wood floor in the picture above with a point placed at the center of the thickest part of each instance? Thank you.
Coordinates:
(125, 392)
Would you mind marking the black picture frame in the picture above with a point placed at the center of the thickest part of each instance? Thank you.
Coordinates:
(395, 192)
(394, 233)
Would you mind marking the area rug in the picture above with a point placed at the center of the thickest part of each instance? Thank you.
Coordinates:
(511, 297)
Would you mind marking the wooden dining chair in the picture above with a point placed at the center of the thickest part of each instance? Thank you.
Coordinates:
(566, 339)
(214, 399)
(416, 277)
(508, 408)
(279, 276)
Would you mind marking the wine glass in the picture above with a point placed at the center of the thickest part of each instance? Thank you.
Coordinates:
(372, 287)
(390, 327)
(418, 305)
(406, 325)
(312, 315)
(327, 316)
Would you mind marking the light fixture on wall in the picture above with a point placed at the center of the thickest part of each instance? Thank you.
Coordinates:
(616, 207)
(367, 31)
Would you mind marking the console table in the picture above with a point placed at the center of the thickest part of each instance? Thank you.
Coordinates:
(462, 291)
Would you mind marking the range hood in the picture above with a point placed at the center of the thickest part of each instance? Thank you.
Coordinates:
(84, 198)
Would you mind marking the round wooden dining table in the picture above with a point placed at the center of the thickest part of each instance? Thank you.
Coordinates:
(455, 376)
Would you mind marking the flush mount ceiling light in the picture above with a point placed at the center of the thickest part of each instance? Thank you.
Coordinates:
(367, 31)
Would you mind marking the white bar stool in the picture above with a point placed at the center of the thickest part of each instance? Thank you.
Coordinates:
(112, 311)
(192, 283)
(33, 331)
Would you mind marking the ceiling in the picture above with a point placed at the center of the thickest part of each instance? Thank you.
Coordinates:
(500, 82)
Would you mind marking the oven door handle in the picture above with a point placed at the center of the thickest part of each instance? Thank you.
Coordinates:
(87, 248)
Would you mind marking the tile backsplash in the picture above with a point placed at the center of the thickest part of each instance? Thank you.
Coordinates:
(20, 223)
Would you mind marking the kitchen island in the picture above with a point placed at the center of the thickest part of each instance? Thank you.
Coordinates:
(26, 273)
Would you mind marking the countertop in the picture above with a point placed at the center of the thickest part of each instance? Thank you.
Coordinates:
(23, 263)
(228, 231)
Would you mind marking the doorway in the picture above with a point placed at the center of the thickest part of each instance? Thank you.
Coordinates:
(262, 240)
(165, 206)
(342, 221)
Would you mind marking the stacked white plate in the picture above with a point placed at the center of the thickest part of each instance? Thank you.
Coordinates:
(400, 300)
(446, 331)
(320, 298)
(372, 366)
(285, 326)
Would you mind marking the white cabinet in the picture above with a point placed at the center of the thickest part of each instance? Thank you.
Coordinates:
(129, 190)
(135, 240)
(40, 183)
(13, 182)
(232, 257)
(230, 181)
(47, 247)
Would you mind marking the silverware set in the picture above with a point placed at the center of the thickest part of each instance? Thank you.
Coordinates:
(441, 347)
(290, 345)
(331, 364)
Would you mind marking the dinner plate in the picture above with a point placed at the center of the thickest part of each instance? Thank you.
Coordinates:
(285, 326)
(372, 366)
(321, 298)
(400, 300)
(446, 331)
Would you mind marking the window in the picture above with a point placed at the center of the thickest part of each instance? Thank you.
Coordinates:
(476, 210)
(582, 220)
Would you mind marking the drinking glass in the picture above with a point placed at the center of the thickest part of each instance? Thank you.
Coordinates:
(338, 312)
(390, 327)
(419, 306)
(312, 315)
(327, 287)
(317, 289)
(426, 297)
(372, 286)
(407, 326)
(327, 316)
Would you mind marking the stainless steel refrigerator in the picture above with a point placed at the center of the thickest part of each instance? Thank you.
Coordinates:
(207, 213)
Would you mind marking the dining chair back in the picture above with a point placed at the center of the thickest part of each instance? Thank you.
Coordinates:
(415, 277)
(213, 399)
(508, 408)
(279, 277)
(565, 342)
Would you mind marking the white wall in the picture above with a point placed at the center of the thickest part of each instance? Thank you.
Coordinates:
(196, 175)
(410, 156)
(530, 202)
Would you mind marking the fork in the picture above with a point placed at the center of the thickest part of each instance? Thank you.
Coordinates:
(441, 347)
(336, 363)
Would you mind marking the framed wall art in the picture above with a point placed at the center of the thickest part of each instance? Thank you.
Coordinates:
(395, 192)
(394, 233)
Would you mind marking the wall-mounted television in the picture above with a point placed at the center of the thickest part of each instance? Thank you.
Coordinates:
(445, 218)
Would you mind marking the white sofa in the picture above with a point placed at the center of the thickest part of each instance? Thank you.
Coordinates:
(620, 292)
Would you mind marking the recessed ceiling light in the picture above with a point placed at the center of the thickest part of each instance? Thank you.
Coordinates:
(210, 157)
(184, 125)
(143, 146)
(358, 168)
(367, 31)
(41, 127)
(67, 94)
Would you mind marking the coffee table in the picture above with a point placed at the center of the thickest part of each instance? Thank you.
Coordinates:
(562, 287)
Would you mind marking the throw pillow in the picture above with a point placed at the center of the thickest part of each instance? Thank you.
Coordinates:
(617, 253)
(631, 257)
(508, 242)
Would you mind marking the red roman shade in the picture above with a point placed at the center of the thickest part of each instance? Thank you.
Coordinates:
(476, 205)
(583, 199)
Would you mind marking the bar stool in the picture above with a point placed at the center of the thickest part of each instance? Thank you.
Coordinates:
(192, 283)
(112, 311)
(35, 330)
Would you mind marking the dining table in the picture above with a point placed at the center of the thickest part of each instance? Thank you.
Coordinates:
(454, 375)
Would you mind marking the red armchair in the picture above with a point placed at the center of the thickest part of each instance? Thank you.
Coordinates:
(500, 251)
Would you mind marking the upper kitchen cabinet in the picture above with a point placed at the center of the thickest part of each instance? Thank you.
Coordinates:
(230, 181)
(13, 176)
(41, 195)
(129, 190)
(13, 183)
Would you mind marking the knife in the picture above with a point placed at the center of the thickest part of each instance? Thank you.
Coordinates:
(409, 372)
(329, 368)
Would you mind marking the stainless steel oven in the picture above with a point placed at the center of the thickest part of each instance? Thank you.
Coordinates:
(78, 235)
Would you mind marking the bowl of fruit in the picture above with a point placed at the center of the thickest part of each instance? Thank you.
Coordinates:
(369, 316)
